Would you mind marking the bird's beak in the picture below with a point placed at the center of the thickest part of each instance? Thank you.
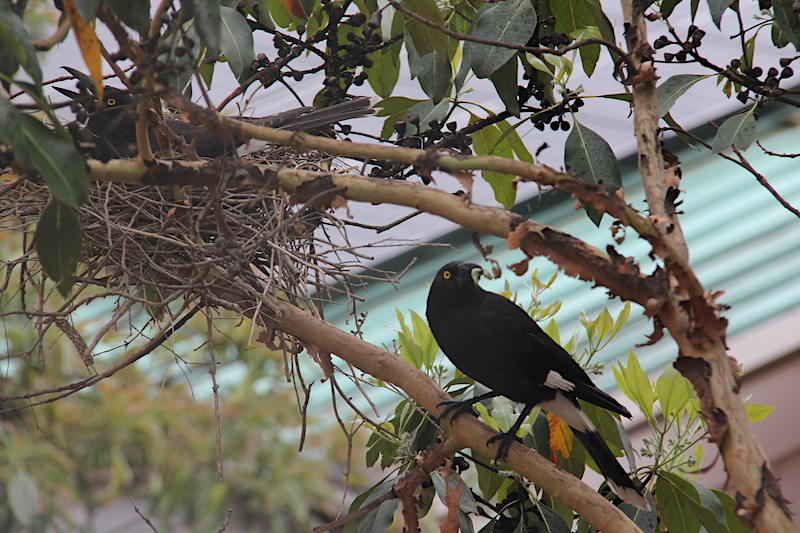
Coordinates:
(80, 76)
(476, 274)
(72, 95)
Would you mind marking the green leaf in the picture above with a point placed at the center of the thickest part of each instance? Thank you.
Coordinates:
(385, 70)
(606, 425)
(552, 331)
(589, 157)
(40, 149)
(601, 21)
(503, 413)
(236, 42)
(739, 130)
(427, 111)
(668, 6)
(685, 509)
(465, 522)
(280, 15)
(466, 502)
(423, 336)
(493, 140)
(679, 131)
(786, 19)
(509, 22)
(434, 73)
(575, 464)
(673, 88)
(676, 512)
(396, 108)
(622, 319)
(23, 498)
(572, 15)
(694, 4)
(552, 521)
(485, 417)
(515, 141)
(756, 412)
(674, 392)
(779, 39)
(717, 9)
(16, 39)
(504, 80)
(58, 243)
(463, 70)
(729, 507)
(358, 503)
(182, 80)
(134, 13)
(425, 38)
(647, 521)
(604, 323)
(489, 481)
(264, 13)
(709, 501)
(634, 383)
(207, 21)
(379, 519)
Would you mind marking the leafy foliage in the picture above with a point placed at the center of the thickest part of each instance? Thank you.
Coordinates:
(672, 452)
(354, 42)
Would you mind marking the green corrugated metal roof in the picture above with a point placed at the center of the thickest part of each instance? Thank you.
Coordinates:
(741, 240)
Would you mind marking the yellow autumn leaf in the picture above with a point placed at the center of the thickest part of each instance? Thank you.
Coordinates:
(88, 43)
(560, 437)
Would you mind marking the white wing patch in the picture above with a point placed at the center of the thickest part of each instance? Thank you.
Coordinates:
(564, 409)
(555, 380)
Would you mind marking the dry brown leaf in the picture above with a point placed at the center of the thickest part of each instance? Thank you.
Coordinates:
(465, 179)
(452, 497)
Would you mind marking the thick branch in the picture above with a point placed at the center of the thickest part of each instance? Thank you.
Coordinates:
(467, 430)
(693, 320)
(579, 259)
(642, 76)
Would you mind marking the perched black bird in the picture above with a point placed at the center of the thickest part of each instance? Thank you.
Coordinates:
(110, 131)
(495, 342)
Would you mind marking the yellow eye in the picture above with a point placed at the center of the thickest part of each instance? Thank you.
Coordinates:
(446, 274)
(111, 101)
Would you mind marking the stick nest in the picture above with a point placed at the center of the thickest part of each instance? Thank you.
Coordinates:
(157, 246)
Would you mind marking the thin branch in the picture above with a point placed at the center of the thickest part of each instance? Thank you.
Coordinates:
(522, 48)
(72, 388)
(745, 164)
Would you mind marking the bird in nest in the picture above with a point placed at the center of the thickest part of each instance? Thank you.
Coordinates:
(110, 131)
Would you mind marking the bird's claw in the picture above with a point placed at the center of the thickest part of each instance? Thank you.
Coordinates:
(506, 440)
(456, 408)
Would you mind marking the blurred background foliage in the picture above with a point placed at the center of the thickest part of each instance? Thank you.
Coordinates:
(150, 433)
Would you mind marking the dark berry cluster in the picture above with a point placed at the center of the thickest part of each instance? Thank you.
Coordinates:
(438, 135)
(345, 61)
(750, 78)
(694, 38)
(554, 40)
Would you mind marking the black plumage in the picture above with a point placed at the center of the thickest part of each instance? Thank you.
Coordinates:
(495, 342)
(110, 131)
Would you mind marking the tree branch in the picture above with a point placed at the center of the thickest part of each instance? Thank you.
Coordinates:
(642, 76)
(694, 320)
(467, 430)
